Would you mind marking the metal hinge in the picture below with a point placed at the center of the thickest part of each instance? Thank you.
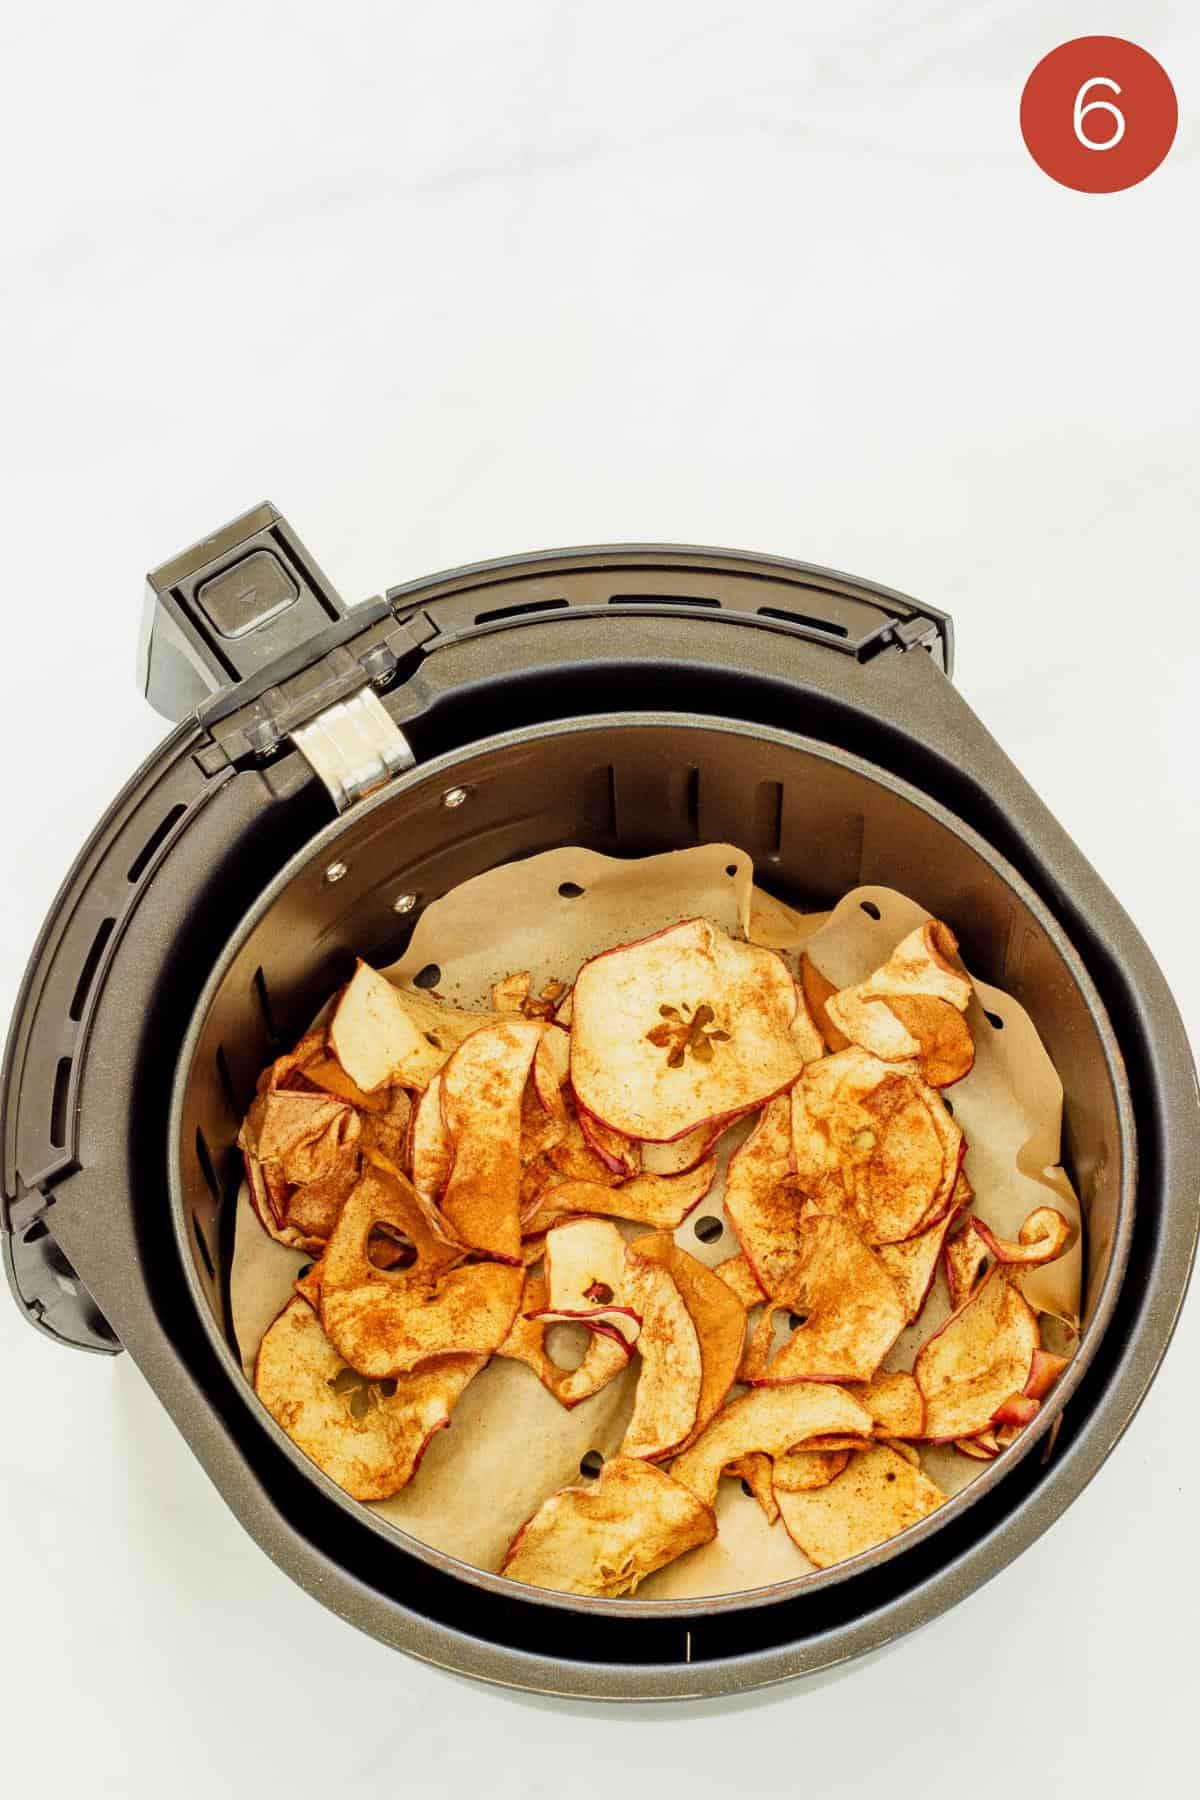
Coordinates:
(354, 746)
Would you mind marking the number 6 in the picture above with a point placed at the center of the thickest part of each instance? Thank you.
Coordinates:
(1107, 106)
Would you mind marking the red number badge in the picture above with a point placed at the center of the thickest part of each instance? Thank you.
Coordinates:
(1099, 114)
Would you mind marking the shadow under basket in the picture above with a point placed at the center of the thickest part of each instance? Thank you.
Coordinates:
(802, 716)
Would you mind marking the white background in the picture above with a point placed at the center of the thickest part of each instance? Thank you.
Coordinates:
(450, 280)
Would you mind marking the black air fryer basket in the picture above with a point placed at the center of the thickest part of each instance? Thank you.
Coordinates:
(334, 771)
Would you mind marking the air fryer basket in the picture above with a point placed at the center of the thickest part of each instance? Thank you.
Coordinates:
(805, 717)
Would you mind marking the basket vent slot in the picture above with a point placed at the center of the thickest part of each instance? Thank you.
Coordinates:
(663, 600)
(204, 1158)
(259, 986)
(515, 612)
(768, 818)
(225, 1077)
(691, 800)
(206, 1256)
(58, 1103)
(158, 836)
(827, 627)
(91, 963)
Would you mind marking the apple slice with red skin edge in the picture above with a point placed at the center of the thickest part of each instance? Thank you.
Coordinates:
(606, 1356)
(912, 1263)
(482, 1087)
(587, 1276)
(430, 1147)
(740, 1278)
(761, 1203)
(983, 1448)
(966, 1257)
(1043, 1237)
(803, 1471)
(818, 990)
(773, 1420)
(440, 1233)
(574, 1159)
(371, 1033)
(606, 1538)
(686, 1152)
(1018, 1409)
(717, 1314)
(850, 1307)
(1044, 1372)
(662, 1202)
(671, 1375)
(681, 1029)
(545, 1076)
(367, 1437)
(756, 1474)
(386, 1322)
(621, 1155)
(895, 1402)
(945, 1047)
(979, 1358)
(829, 1441)
(878, 1495)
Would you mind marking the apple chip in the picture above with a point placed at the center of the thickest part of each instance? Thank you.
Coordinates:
(660, 1201)
(877, 1496)
(896, 1404)
(848, 1307)
(510, 993)
(431, 1148)
(1042, 1237)
(803, 1471)
(386, 1321)
(740, 1278)
(586, 1275)
(770, 1419)
(669, 1382)
(912, 1007)
(912, 1263)
(327, 1074)
(622, 1156)
(761, 1201)
(982, 1355)
(606, 1538)
(877, 1140)
(607, 1353)
(756, 1474)
(381, 1033)
(368, 1436)
(684, 1154)
(483, 1084)
(984, 1448)
(966, 1258)
(716, 1312)
(818, 991)
(681, 1029)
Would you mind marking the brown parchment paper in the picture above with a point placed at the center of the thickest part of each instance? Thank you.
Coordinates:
(510, 1444)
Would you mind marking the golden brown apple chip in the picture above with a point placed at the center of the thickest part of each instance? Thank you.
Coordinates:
(756, 1473)
(607, 1353)
(1044, 1236)
(770, 1419)
(368, 1436)
(682, 1029)
(818, 990)
(660, 1201)
(761, 1200)
(622, 1156)
(671, 1373)
(607, 1537)
(803, 1471)
(381, 1033)
(847, 1305)
(740, 1278)
(912, 1263)
(982, 1356)
(966, 1258)
(483, 1084)
(430, 1147)
(895, 1402)
(717, 1313)
(877, 1496)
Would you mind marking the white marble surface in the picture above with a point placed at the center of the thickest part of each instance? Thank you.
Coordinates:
(448, 281)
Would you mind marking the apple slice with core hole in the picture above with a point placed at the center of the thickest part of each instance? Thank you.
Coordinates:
(604, 1539)
(681, 1029)
(607, 1353)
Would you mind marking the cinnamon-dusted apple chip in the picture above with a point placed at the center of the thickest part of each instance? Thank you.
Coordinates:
(606, 1538)
(982, 1356)
(895, 1402)
(912, 1263)
(717, 1313)
(803, 1471)
(877, 1496)
(671, 1374)
(607, 1352)
(756, 1473)
(762, 1203)
(587, 1278)
(430, 1146)
(1044, 1236)
(660, 1201)
(386, 1321)
(368, 1436)
(682, 1029)
(483, 1085)
(848, 1307)
(771, 1419)
(740, 1278)
(911, 1008)
(818, 990)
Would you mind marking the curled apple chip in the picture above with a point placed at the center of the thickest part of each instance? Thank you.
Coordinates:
(304, 1135)
(327, 1074)
(847, 1306)
(741, 1280)
(1042, 1237)
(982, 1355)
(770, 1419)
(818, 990)
(607, 1353)
(912, 1263)
(661, 1201)
(878, 1495)
(716, 1312)
(510, 993)
(756, 1474)
(680, 1029)
(483, 1085)
(381, 1033)
(606, 1538)
(966, 1259)
(671, 1374)
(430, 1146)
(761, 1201)
(983, 1448)
(368, 1436)
(875, 1140)
(385, 1322)
(622, 1156)
(912, 1007)
(804, 1471)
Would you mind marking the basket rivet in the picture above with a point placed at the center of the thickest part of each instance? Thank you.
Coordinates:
(454, 796)
(404, 903)
(335, 872)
